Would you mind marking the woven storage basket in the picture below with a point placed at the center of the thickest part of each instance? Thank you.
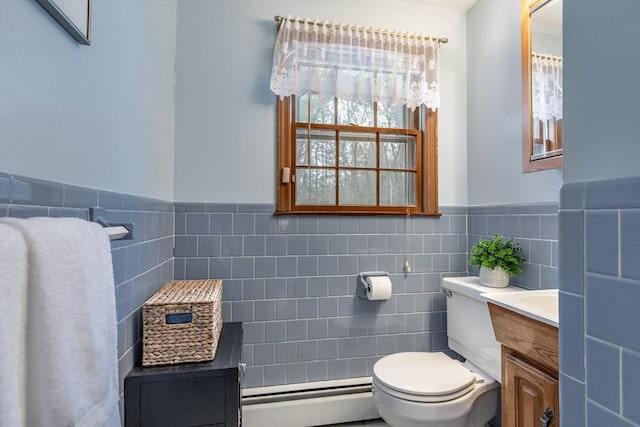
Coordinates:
(182, 322)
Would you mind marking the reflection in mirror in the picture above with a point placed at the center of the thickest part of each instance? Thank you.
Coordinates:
(542, 84)
(546, 105)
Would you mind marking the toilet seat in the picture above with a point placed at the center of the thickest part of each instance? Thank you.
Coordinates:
(422, 377)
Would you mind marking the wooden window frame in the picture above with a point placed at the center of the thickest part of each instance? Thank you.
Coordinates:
(426, 126)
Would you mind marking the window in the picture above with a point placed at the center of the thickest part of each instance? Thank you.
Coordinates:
(341, 156)
(356, 119)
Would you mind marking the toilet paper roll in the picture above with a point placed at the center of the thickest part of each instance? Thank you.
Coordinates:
(378, 287)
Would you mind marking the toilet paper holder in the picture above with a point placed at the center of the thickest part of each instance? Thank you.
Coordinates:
(362, 279)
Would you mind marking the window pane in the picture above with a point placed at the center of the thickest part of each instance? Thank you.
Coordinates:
(394, 116)
(302, 108)
(355, 113)
(357, 187)
(397, 151)
(318, 150)
(323, 148)
(315, 187)
(322, 111)
(358, 149)
(397, 188)
(302, 147)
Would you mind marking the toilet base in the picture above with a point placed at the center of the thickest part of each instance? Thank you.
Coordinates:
(474, 409)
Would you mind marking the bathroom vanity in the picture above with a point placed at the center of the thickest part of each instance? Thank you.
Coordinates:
(189, 394)
(530, 392)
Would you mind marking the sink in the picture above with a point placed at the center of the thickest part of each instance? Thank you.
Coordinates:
(541, 305)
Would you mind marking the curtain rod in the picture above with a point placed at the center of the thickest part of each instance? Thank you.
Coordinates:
(442, 40)
(546, 56)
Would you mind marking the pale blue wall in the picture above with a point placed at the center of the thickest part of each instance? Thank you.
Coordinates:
(602, 91)
(99, 116)
(599, 222)
(225, 113)
(494, 132)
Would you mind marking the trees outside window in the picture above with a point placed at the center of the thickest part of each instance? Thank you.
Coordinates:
(345, 156)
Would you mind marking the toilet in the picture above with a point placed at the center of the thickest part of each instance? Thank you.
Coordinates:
(433, 390)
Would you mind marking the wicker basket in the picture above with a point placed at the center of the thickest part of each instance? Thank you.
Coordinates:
(182, 322)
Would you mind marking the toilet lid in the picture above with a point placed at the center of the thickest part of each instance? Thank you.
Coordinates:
(423, 374)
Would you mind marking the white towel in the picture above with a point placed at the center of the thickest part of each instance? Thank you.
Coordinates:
(72, 369)
(13, 306)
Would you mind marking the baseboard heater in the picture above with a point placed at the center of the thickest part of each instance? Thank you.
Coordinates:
(309, 404)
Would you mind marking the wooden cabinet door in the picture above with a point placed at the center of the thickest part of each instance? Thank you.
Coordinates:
(528, 393)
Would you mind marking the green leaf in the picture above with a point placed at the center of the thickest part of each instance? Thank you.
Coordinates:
(498, 253)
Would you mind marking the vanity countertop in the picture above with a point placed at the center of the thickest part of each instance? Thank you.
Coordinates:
(541, 305)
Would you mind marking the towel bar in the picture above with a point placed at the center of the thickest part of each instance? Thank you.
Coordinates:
(115, 231)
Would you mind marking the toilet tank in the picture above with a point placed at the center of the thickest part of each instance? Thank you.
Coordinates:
(469, 327)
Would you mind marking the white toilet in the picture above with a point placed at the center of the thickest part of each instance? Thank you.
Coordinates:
(431, 389)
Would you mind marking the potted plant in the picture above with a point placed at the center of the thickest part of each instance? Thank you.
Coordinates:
(498, 260)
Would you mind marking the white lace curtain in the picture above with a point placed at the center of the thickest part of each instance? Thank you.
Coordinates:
(546, 86)
(354, 63)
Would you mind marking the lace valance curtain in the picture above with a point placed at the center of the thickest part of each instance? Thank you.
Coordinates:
(546, 88)
(353, 63)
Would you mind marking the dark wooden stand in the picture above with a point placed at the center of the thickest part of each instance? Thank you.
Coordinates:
(189, 394)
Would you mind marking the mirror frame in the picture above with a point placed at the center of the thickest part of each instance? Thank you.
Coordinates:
(528, 165)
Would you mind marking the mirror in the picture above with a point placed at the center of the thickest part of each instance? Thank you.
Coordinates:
(541, 25)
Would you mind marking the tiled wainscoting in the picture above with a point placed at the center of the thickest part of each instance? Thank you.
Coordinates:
(533, 226)
(292, 280)
(599, 303)
(140, 266)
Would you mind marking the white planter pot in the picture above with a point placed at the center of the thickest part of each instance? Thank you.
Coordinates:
(496, 278)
